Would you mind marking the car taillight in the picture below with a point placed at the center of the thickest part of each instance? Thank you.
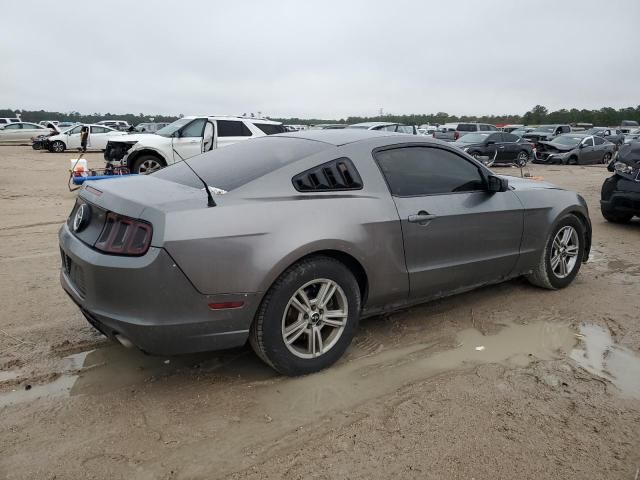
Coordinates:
(124, 236)
(456, 135)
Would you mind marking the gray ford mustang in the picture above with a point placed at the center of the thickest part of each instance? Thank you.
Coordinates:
(304, 234)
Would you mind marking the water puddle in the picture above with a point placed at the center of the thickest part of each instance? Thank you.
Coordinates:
(350, 381)
(599, 355)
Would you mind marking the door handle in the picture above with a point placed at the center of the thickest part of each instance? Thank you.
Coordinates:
(421, 217)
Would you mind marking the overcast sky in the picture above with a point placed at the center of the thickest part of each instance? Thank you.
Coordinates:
(326, 59)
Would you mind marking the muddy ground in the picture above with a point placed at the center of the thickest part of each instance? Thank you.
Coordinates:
(506, 382)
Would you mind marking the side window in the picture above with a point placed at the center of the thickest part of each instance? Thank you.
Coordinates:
(484, 128)
(232, 128)
(566, 129)
(495, 138)
(270, 129)
(13, 127)
(194, 129)
(75, 130)
(493, 128)
(508, 137)
(427, 171)
(588, 142)
(96, 129)
(335, 175)
(467, 127)
(598, 140)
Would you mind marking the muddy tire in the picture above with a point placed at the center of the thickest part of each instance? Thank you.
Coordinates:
(146, 164)
(58, 146)
(308, 317)
(562, 255)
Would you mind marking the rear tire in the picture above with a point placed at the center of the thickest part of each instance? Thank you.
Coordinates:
(522, 159)
(606, 158)
(564, 248)
(298, 329)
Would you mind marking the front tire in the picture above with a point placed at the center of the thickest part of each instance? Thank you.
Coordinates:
(146, 164)
(562, 255)
(58, 146)
(308, 317)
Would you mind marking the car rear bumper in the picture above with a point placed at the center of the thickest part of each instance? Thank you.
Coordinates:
(149, 301)
(620, 195)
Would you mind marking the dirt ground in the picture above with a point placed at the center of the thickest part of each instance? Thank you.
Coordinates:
(506, 382)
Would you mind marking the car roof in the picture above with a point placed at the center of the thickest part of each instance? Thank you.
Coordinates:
(577, 134)
(339, 137)
(372, 124)
(234, 117)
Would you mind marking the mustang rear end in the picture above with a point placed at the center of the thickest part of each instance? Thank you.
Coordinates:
(130, 288)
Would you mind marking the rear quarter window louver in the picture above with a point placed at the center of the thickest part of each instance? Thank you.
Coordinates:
(335, 175)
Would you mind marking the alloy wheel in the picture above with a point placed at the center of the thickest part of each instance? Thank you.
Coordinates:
(522, 159)
(606, 158)
(564, 251)
(149, 166)
(314, 318)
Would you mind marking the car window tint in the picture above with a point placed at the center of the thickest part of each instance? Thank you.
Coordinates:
(492, 127)
(235, 165)
(75, 130)
(427, 171)
(232, 128)
(269, 128)
(194, 129)
(467, 127)
(508, 137)
(96, 129)
(405, 129)
(494, 137)
(588, 142)
(484, 128)
(599, 140)
(13, 127)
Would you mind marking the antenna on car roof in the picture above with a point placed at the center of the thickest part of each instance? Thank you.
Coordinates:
(211, 202)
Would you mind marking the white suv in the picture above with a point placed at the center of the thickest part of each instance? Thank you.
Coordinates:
(185, 138)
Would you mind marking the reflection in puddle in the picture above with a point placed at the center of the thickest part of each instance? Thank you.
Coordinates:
(600, 356)
(110, 368)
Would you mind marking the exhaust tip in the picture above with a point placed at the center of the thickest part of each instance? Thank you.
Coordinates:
(124, 341)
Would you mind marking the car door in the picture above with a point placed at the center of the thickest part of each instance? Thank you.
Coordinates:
(188, 143)
(73, 137)
(209, 137)
(601, 147)
(588, 153)
(231, 131)
(456, 233)
(11, 133)
(493, 144)
(99, 136)
(510, 147)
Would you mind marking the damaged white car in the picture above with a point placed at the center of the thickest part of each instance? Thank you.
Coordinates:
(185, 138)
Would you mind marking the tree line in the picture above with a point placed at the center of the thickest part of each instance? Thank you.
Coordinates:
(539, 114)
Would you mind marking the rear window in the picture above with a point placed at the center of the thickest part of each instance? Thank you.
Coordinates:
(467, 127)
(236, 165)
(232, 128)
(269, 128)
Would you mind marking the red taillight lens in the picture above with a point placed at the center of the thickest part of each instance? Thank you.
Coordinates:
(225, 305)
(124, 236)
(456, 135)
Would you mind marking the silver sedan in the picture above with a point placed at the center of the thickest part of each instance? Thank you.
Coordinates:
(298, 236)
(21, 132)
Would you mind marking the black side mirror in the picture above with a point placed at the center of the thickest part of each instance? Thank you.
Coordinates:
(491, 142)
(497, 184)
(582, 145)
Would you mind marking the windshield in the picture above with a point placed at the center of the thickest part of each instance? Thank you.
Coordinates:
(238, 164)
(545, 128)
(473, 138)
(568, 140)
(172, 128)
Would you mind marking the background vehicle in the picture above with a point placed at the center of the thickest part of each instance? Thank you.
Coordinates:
(612, 135)
(496, 147)
(511, 127)
(575, 149)
(521, 131)
(632, 136)
(427, 129)
(386, 127)
(543, 133)
(70, 139)
(451, 132)
(329, 126)
(20, 132)
(121, 125)
(44, 123)
(185, 138)
(620, 195)
(388, 221)
(627, 126)
(149, 127)
(7, 120)
(65, 125)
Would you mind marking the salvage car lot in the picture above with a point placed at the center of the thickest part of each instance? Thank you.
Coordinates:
(499, 369)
